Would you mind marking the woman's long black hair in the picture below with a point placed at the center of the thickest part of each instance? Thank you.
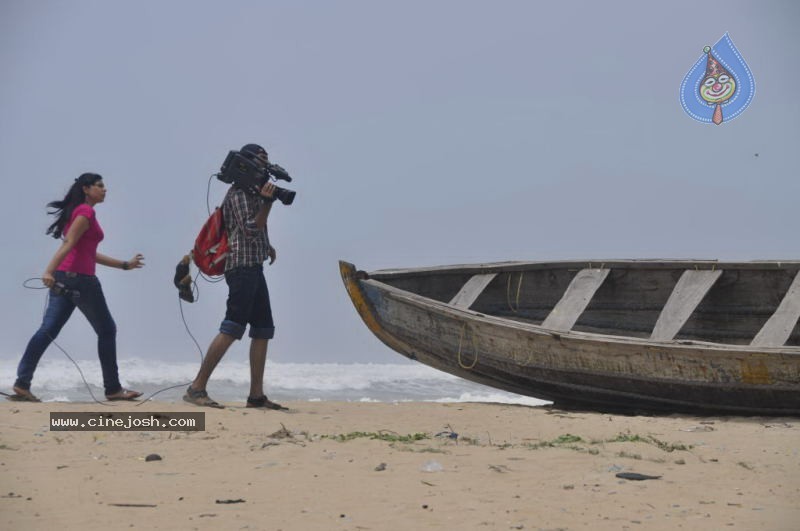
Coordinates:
(75, 196)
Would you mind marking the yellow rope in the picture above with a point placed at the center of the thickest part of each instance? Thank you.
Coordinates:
(508, 291)
(474, 349)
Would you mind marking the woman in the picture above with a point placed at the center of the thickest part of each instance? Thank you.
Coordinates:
(70, 276)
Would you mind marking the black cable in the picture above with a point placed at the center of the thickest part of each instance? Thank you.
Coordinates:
(208, 193)
(161, 391)
(195, 291)
(77, 367)
(212, 280)
(183, 318)
(188, 331)
(53, 340)
(196, 296)
(25, 284)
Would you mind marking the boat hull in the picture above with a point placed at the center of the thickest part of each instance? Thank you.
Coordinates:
(578, 369)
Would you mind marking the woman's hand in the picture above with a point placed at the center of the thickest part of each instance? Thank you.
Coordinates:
(136, 262)
(48, 279)
(272, 254)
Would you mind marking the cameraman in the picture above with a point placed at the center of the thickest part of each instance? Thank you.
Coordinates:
(248, 298)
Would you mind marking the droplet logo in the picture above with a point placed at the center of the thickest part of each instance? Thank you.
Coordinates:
(719, 86)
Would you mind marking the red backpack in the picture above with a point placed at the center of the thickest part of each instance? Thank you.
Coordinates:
(211, 245)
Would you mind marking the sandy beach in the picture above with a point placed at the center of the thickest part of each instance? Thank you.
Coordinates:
(380, 466)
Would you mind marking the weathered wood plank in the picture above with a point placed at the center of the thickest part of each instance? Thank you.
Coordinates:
(471, 290)
(505, 267)
(575, 299)
(778, 328)
(685, 297)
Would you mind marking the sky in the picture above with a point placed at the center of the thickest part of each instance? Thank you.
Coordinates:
(418, 133)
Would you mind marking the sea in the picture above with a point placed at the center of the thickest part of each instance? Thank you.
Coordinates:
(62, 380)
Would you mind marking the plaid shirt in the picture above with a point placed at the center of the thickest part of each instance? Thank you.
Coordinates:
(247, 244)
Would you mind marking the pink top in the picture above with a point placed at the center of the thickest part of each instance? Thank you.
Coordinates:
(81, 259)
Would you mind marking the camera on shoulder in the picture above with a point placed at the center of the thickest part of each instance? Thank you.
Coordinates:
(244, 172)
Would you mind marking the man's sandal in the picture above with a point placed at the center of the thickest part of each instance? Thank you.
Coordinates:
(200, 398)
(264, 402)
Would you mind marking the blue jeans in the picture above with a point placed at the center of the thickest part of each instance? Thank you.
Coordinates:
(92, 304)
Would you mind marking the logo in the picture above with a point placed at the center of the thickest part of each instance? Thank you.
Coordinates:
(719, 86)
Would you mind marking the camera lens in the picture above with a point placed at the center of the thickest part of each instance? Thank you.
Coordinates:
(285, 196)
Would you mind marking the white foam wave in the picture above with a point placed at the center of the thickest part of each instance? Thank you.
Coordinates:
(60, 374)
(58, 379)
(495, 398)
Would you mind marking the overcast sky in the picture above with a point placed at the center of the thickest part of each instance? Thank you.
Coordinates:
(418, 133)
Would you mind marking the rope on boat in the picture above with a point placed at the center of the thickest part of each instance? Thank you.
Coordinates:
(508, 291)
(474, 350)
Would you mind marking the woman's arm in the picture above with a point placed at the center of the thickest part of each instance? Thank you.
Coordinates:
(134, 263)
(76, 230)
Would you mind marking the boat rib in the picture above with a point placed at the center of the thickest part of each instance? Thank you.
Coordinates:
(778, 328)
(472, 290)
(685, 297)
(578, 295)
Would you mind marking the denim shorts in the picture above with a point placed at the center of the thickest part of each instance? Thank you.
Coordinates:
(248, 303)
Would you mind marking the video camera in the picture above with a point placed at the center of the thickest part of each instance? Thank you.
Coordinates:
(243, 172)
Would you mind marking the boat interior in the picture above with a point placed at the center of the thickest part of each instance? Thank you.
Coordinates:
(738, 304)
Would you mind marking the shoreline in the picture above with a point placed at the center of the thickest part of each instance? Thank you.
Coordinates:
(58, 380)
(410, 465)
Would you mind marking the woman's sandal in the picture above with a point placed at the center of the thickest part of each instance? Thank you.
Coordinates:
(22, 395)
(264, 402)
(124, 394)
(200, 398)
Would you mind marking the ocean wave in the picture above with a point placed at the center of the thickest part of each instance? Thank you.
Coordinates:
(61, 380)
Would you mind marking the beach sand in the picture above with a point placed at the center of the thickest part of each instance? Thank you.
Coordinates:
(510, 467)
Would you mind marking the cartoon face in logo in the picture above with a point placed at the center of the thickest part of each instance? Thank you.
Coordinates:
(718, 84)
(717, 88)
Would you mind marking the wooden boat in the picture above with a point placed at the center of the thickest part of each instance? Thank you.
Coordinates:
(691, 336)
